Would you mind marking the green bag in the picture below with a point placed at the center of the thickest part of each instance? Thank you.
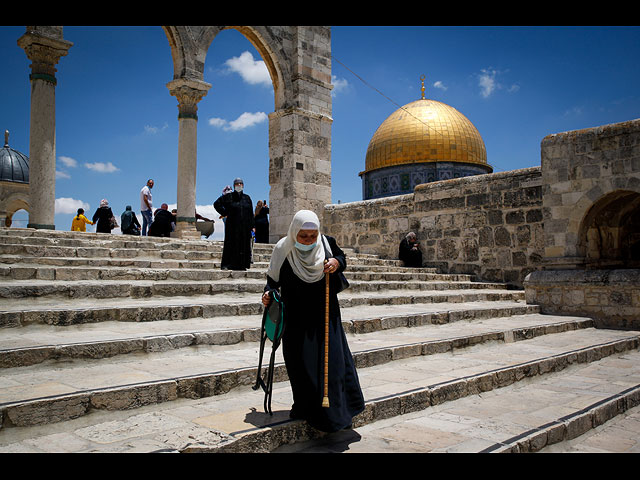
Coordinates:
(274, 318)
(272, 329)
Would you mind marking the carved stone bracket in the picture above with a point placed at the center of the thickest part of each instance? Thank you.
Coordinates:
(189, 93)
(44, 52)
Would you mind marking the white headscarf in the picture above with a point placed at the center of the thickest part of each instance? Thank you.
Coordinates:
(309, 265)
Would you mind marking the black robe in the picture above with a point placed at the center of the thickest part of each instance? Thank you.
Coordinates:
(262, 226)
(238, 208)
(161, 225)
(103, 218)
(303, 350)
(411, 258)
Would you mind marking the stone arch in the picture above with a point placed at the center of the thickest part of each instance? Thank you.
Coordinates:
(14, 202)
(277, 63)
(609, 235)
(189, 47)
(299, 62)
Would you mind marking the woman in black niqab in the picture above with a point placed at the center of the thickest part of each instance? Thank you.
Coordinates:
(237, 207)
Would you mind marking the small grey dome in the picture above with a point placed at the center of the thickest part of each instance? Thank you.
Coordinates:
(14, 166)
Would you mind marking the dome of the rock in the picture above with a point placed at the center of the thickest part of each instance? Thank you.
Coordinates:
(421, 142)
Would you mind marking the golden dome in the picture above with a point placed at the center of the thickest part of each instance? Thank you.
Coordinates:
(425, 131)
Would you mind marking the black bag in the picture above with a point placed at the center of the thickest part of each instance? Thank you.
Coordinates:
(342, 282)
(272, 328)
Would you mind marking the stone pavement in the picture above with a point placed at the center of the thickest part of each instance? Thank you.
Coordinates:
(101, 352)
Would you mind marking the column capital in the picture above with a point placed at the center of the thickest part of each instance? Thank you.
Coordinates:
(44, 53)
(189, 93)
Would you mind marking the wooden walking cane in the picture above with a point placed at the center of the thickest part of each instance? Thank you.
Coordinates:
(325, 399)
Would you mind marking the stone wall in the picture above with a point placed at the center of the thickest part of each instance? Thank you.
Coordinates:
(610, 297)
(487, 225)
(591, 195)
(579, 168)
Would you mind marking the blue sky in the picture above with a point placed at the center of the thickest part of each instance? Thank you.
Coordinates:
(117, 123)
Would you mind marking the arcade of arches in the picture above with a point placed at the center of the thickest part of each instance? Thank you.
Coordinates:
(582, 204)
(299, 62)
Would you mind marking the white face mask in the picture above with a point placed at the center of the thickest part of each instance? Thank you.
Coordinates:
(305, 248)
(238, 188)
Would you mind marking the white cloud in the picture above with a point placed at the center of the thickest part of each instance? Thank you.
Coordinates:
(68, 161)
(70, 205)
(252, 71)
(246, 120)
(339, 85)
(60, 174)
(439, 85)
(487, 82)
(102, 167)
(153, 130)
(217, 122)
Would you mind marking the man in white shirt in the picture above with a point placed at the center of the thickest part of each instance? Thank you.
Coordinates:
(146, 206)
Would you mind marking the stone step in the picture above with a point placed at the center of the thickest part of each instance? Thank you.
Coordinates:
(59, 237)
(619, 434)
(38, 343)
(59, 311)
(62, 379)
(34, 271)
(143, 344)
(419, 404)
(9, 252)
(123, 288)
(199, 398)
(586, 408)
(155, 263)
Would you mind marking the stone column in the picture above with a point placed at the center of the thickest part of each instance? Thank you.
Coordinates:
(44, 51)
(299, 166)
(189, 93)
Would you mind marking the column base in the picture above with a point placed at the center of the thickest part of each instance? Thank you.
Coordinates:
(41, 226)
(186, 230)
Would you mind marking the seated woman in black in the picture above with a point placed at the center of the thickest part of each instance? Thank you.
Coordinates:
(162, 219)
(409, 251)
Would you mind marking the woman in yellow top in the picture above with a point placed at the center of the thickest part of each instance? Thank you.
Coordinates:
(79, 222)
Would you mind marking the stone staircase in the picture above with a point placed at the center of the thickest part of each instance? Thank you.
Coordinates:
(111, 343)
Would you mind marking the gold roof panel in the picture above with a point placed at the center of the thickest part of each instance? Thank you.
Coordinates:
(425, 131)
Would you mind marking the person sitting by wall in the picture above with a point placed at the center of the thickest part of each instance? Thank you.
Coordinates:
(410, 252)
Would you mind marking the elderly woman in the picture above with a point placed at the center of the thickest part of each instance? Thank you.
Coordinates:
(103, 217)
(298, 268)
